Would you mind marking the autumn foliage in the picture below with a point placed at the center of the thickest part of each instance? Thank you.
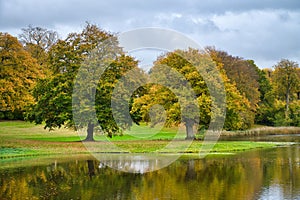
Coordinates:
(37, 79)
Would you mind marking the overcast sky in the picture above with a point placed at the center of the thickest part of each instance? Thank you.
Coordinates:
(263, 30)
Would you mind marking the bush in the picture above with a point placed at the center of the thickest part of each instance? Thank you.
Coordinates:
(8, 115)
(293, 117)
(295, 113)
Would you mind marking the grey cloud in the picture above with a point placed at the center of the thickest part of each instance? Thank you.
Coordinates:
(263, 30)
(18, 12)
(219, 6)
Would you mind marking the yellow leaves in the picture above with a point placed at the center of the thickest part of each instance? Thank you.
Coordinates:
(194, 75)
(18, 73)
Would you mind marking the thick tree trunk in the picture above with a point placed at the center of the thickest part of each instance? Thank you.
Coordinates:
(189, 129)
(90, 132)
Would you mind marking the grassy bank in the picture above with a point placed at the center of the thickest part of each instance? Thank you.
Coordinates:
(20, 139)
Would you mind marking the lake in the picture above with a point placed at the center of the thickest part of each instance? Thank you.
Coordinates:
(258, 174)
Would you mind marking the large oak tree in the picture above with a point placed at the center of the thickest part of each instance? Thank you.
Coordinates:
(237, 106)
(89, 50)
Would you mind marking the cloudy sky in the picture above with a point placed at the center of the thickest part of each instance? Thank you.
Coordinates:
(263, 30)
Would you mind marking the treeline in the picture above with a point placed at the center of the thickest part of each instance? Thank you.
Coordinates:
(37, 72)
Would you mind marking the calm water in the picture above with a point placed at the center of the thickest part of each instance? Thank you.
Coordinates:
(260, 174)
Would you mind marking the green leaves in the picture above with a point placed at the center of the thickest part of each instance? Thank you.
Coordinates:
(54, 94)
(43, 73)
(86, 67)
(205, 85)
(286, 79)
(286, 83)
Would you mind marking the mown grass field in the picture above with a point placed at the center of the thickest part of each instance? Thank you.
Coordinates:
(20, 139)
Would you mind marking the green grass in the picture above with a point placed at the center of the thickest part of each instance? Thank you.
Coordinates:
(16, 124)
(18, 138)
(142, 133)
(15, 152)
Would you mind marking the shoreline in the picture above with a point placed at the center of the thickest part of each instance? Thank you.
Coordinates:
(263, 131)
(221, 148)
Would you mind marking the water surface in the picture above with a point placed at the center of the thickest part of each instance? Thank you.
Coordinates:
(260, 174)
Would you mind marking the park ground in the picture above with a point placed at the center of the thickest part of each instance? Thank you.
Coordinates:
(23, 139)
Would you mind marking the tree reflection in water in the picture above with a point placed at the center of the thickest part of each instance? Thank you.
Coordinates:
(251, 175)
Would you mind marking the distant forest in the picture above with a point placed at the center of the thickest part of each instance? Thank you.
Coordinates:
(37, 72)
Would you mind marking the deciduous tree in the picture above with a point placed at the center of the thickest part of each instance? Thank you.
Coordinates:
(181, 61)
(286, 81)
(18, 75)
(38, 41)
(243, 74)
(90, 52)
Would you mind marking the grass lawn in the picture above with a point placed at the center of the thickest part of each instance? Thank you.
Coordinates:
(20, 139)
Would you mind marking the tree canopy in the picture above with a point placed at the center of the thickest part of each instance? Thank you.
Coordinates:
(19, 73)
(86, 73)
(38, 41)
(237, 105)
(53, 95)
(243, 74)
(286, 82)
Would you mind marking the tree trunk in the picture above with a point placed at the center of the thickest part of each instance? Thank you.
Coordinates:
(91, 168)
(189, 129)
(90, 132)
(287, 101)
(190, 172)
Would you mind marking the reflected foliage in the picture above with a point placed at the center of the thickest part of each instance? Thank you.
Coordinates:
(245, 176)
